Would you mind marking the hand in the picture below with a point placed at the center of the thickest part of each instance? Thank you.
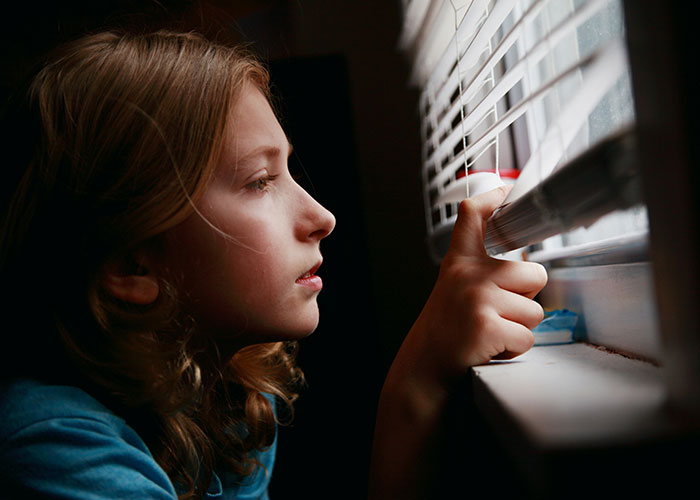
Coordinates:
(481, 308)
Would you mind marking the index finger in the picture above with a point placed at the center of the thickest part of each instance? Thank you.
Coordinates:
(470, 227)
(524, 278)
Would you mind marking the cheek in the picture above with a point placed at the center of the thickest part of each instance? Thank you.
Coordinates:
(245, 274)
(241, 282)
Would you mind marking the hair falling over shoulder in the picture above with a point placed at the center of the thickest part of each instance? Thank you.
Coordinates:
(109, 147)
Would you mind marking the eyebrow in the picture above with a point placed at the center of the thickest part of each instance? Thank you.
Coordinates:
(267, 151)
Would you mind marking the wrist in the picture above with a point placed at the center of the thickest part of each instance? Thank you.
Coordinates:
(408, 427)
(413, 394)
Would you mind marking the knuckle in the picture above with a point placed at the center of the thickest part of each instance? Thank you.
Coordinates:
(470, 212)
(482, 318)
(451, 266)
(461, 269)
(482, 294)
(466, 207)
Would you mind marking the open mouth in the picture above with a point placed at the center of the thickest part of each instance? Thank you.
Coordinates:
(310, 272)
(309, 278)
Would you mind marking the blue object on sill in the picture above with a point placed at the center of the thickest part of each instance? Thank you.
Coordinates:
(557, 327)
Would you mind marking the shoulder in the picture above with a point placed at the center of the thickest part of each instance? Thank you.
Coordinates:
(59, 441)
(25, 402)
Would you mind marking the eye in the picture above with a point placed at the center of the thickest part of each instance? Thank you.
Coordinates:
(261, 184)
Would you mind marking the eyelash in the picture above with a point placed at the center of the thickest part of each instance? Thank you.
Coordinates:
(262, 184)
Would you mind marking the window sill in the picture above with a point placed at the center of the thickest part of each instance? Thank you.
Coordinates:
(563, 413)
(575, 395)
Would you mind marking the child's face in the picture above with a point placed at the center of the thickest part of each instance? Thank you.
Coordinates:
(259, 284)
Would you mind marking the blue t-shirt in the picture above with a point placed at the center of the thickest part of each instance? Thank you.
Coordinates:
(59, 442)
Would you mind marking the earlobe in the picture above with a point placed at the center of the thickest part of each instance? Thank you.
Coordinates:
(134, 284)
(132, 288)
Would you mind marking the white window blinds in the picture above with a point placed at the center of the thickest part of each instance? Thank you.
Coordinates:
(522, 89)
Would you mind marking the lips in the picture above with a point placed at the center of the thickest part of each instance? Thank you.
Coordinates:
(310, 280)
(310, 272)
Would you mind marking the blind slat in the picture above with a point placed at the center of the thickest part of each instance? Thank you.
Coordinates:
(437, 42)
(486, 32)
(532, 57)
(554, 63)
(511, 78)
(599, 58)
(467, 27)
(598, 80)
(602, 179)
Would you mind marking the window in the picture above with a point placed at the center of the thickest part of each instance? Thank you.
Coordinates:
(586, 105)
(543, 90)
(539, 93)
(516, 87)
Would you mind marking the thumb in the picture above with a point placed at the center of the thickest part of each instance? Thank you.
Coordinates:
(470, 227)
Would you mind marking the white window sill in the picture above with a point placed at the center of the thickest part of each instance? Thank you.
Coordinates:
(573, 396)
(575, 420)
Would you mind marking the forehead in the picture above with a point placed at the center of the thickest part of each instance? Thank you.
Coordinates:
(252, 125)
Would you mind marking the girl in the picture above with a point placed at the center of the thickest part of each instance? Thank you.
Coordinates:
(163, 264)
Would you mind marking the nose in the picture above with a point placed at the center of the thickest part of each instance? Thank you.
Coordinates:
(316, 222)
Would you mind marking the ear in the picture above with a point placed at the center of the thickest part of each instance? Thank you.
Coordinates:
(131, 279)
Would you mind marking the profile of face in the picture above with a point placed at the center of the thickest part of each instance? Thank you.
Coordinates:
(246, 260)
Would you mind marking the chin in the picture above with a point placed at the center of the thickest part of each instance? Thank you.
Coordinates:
(303, 325)
(282, 329)
(304, 332)
(281, 333)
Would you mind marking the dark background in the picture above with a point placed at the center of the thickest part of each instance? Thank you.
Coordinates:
(352, 118)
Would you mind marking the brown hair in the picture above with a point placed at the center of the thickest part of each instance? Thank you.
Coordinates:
(114, 142)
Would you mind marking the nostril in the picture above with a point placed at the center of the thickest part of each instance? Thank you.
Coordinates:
(319, 234)
(324, 224)
(323, 229)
